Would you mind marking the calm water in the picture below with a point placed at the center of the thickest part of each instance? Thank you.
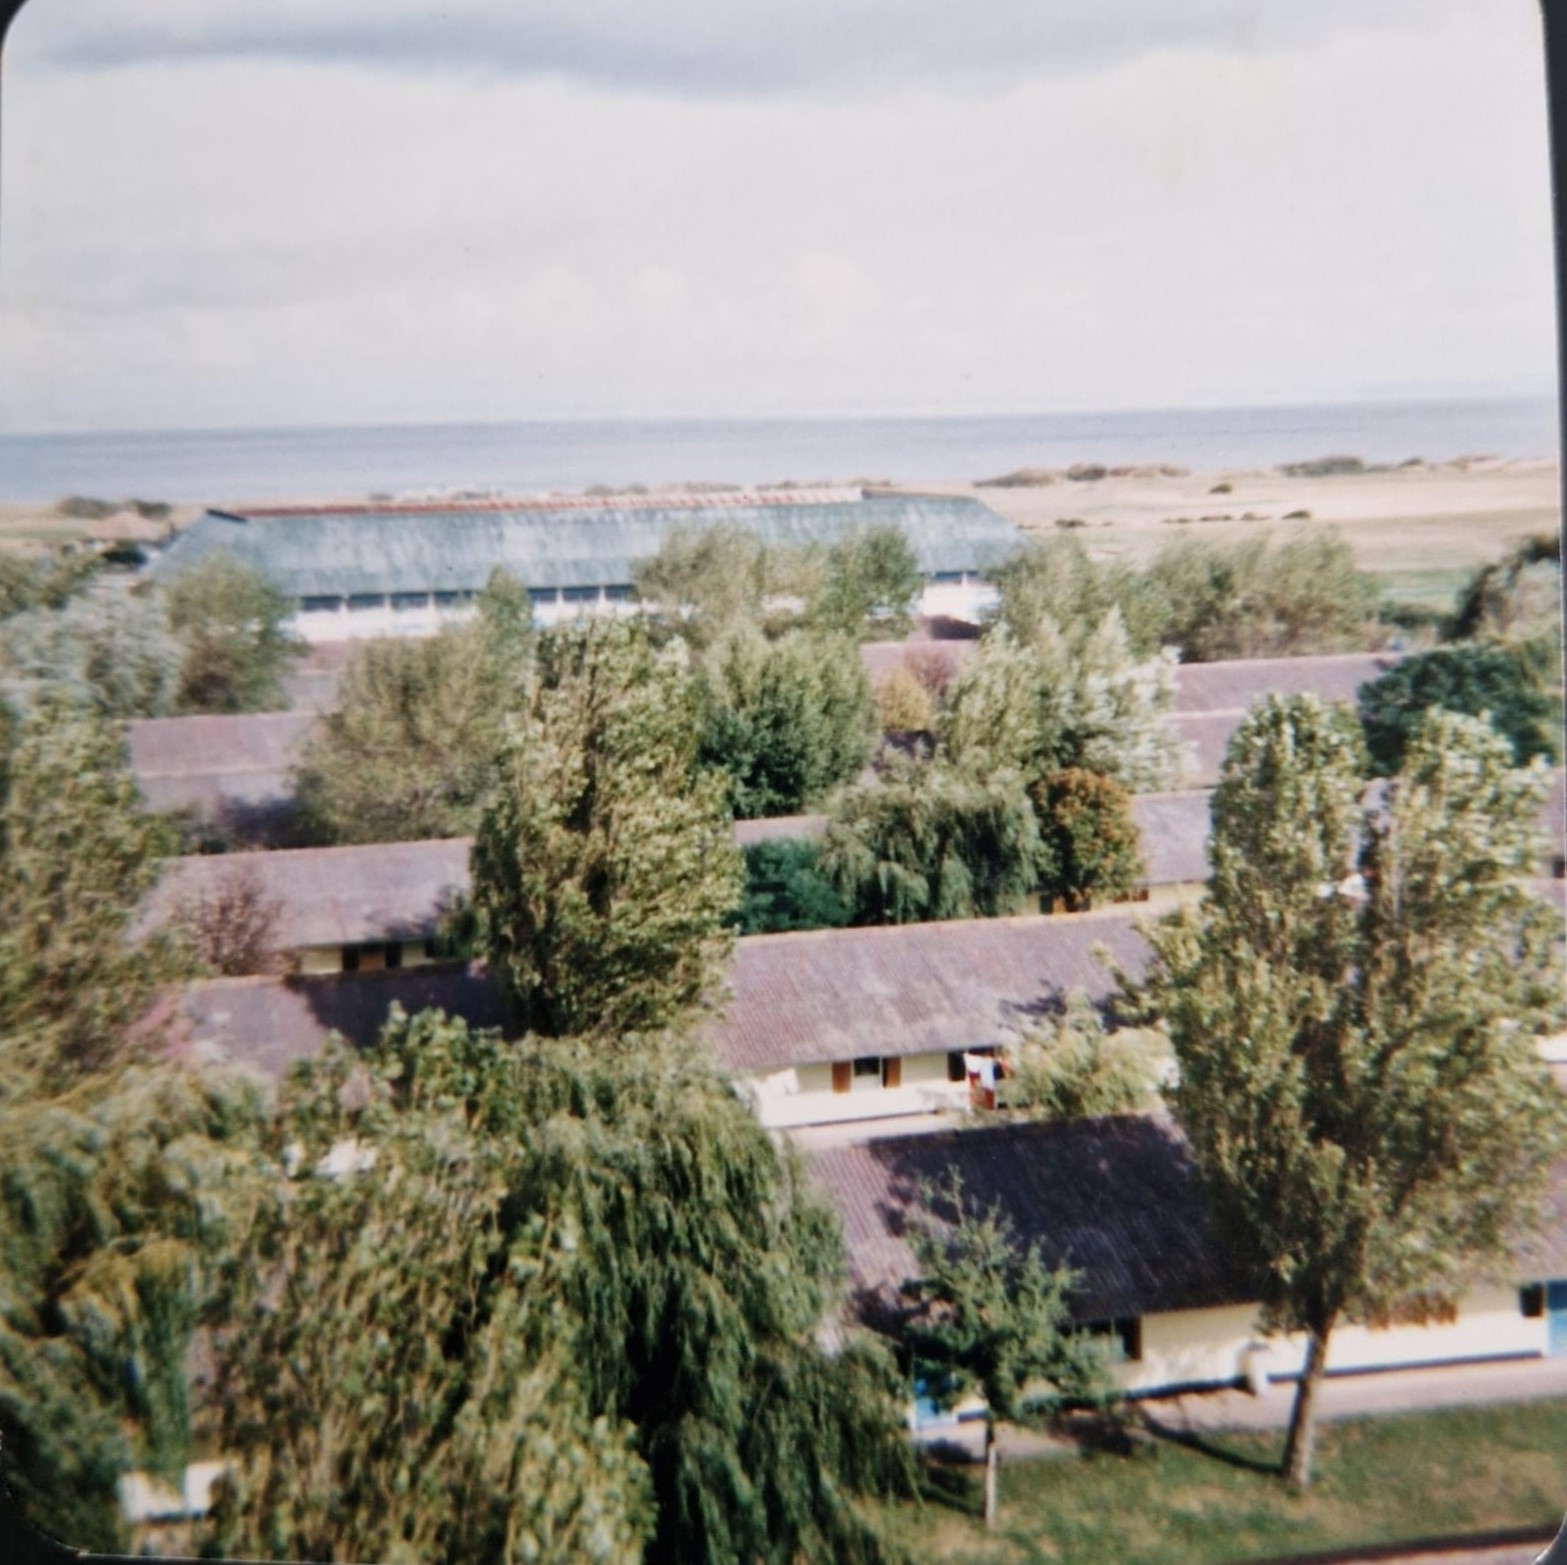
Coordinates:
(226, 466)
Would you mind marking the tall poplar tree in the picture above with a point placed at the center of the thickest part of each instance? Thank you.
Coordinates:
(1353, 1009)
(605, 865)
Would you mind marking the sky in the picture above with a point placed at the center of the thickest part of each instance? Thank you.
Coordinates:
(344, 212)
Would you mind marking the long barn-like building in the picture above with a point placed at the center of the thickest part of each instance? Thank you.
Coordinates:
(356, 571)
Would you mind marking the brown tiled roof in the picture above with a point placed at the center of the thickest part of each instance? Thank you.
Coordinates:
(801, 999)
(330, 896)
(265, 1024)
(1235, 686)
(1116, 1199)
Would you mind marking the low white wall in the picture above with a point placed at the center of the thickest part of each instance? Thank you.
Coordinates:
(1209, 1347)
(802, 1096)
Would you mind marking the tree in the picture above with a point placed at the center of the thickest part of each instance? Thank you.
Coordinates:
(116, 654)
(1054, 580)
(232, 620)
(44, 582)
(1517, 598)
(903, 704)
(562, 1309)
(1071, 1068)
(1047, 705)
(870, 578)
(1358, 1077)
(604, 865)
(1089, 843)
(995, 1319)
(232, 928)
(1516, 686)
(787, 720)
(77, 855)
(929, 842)
(786, 889)
(1264, 598)
(705, 580)
(124, 1200)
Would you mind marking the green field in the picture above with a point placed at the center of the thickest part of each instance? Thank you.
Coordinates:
(1378, 1481)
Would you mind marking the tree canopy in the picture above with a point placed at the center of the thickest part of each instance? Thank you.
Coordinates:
(870, 580)
(604, 865)
(231, 618)
(563, 1308)
(1352, 1008)
(705, 580)
(786, 889)
(1516, 686)
(1089, 844)
(787, 720)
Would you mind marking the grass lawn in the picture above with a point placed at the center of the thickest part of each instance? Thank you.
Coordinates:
(1377, 1481)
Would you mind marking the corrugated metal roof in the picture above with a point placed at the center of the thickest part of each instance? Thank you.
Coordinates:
(801, 999)
(342, 552)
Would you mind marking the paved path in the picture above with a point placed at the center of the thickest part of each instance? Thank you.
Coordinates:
(1339, 1396)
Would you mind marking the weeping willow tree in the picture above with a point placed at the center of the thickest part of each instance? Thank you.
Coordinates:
(537, 1301)
(929, 841)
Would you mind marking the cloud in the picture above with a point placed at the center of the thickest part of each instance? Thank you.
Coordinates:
(697, 48)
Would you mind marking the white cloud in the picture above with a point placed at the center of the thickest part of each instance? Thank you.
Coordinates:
(241, 239)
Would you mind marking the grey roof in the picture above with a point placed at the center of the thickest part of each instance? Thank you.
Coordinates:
(266, 1024)
(329, 896)
(1235, 686)
(233, 768)
(1116, 1199)
(802, 999)
(1173, 833)
(561, 544)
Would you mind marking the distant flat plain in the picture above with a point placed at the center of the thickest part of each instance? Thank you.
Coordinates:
(1421, 529)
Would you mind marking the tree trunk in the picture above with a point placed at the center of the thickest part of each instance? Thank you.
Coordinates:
(1302, 1443)
(992, 1461)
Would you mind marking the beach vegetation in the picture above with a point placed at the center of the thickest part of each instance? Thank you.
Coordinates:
(1516, 598)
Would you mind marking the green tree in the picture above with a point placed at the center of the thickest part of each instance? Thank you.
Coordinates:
(787, 720)
(1090, 846)
(1264, 598)
(1070, 1067)
(604, 865)
(705, 579)
(870, 581)
(904, 704)
(1054, 580)
(993, 1318)
(232, 619)
(44, 581)
(1358, 1077)
(565, 1310)
(1050, 704)
(1516, 686)
(785, 889)
(76, 857)
(931, 842)
(116, 654)
(1518, 598)
(124, 1199)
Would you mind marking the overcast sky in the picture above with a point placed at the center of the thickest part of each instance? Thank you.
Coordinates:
(352, 212)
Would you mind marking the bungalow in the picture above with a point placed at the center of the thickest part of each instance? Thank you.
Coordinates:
(1117, 1200)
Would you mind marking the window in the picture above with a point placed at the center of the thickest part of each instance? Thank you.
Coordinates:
(360, 601)
(324, 603)
(1123, 1336)
(868, 1065)
(946, 576)
(410, 600)
(350, 959)
(394, 953)
(451, 600)
(1531, 1301)
(431, 949)
(955, 1071)
(542, 594)
(580, 594)
(618, 594)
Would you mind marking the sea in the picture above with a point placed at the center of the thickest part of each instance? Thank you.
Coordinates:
(228, 466)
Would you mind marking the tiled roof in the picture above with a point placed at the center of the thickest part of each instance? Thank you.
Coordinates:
(330, 896)
(1173, 836)
(800, 999)
(229, 767)
(1237, 685)
(1116, 1199)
